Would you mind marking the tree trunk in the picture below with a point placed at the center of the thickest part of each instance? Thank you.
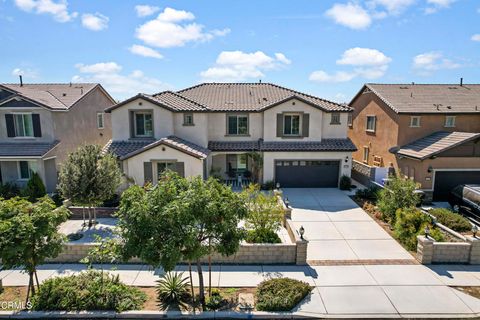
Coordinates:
(209, 276)
(191, 284)
(201, 286)
(28, 291)
(89, 216)
(94, 216)
(83, 212)
(36, 279)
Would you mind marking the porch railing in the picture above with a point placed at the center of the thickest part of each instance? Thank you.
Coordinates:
(237, 182)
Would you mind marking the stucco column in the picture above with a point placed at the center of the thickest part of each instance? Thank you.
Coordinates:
(301, 258)
(474, 249)
(424, 250)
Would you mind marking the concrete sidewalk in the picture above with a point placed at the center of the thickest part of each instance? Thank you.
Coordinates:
(360, 290)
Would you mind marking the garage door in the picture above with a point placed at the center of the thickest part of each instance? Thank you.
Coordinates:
(307, 173)
(445, 181)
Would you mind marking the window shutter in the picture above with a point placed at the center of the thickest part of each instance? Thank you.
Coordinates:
(180, 168)
(132, 124)
(279, 125)
(305, 124)
(37, 130)
(10, 125)
(147, 172)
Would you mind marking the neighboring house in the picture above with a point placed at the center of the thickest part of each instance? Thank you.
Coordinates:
(208, 129)
(428, 132)
(41, 123)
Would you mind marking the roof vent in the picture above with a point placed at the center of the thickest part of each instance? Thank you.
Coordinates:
(437, 105)
(449, 107)
(64, 94)
(265, 99)
(452, 88)
(403, 87)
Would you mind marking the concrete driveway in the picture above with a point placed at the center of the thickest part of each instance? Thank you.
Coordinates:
(339, 230)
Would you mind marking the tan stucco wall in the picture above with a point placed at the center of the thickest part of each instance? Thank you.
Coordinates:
(133, 167)
(270, 157)
(426, 179)
(78, 126)
(217, 127)
(198, 133)
(430, 123)
(386, 134)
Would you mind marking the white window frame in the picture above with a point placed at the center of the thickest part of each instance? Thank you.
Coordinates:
(350, 120)
(300, 124)
(135, 124)
(418, 118)
(366, 154)
(100, 120)
(238, 116)
(32, 167)
(185, 117)
(23, 114)
(374, 124)
(450, 125)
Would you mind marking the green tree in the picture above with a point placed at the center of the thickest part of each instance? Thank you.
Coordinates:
(89, 177)
(180, 220)
(397, 194)
(35, 188)
(256, 162)
(29, 235)
(264, 216)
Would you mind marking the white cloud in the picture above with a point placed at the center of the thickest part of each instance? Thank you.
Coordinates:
(393, 7)
(59, 9)
(174, 28)
(476, 37)
(339, 76)
(145, 51)
(436, 5)
(119, 85)
(350, 15)
(25, 73)
(234, 66)
(428, 62)
(367, 63)
(144, 10)
(95, 22)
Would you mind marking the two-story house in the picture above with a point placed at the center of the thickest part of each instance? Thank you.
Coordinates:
(209, 128)
(41, 123)
(427, 132)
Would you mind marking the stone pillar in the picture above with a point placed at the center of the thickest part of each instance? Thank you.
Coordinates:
(474, 249)
(301, 257)
(424, 250)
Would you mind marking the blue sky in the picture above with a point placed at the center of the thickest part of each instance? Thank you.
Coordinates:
(325, 48)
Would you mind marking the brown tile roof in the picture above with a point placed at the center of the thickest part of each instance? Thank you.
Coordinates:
(236, 97)
(56, 96)
(428, 98)
(130, 148)
(26, 149)
(435, 143)
(273, 146)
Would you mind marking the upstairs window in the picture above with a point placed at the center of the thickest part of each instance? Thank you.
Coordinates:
(188, 119)
(291, 125)
(335, 118)
(100, 120)
(450, 121)
(366, 154)
(237, 125)
(23, 125)
(143, 124)
(371, 123)
(350, 120)
(415, 122)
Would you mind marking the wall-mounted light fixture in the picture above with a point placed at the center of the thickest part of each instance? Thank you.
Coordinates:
(346, 159)
(430, 169)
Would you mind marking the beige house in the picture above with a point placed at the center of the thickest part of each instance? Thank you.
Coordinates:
(41, 123)
(427, 132)
(209, 129)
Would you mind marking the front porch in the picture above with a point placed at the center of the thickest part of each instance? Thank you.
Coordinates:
(235, 169)
(19, 171)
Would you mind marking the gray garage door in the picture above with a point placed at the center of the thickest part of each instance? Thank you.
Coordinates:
(445, 181)
(307, 173)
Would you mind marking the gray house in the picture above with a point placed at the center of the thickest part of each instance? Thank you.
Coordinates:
(41, 123)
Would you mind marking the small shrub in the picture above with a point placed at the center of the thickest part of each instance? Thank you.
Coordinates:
(35, 188)
(112, 202)
(215, 301)
(9, 190)
(268, 185)
(262, 236)
(57, 198)
(345, 183)
(398, 195)
(90, 290)
(451, 219)
(281, 294)
(370, 193)
(172, 290)
(412, 222)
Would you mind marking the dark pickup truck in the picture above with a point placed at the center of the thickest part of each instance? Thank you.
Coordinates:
(465, 199)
